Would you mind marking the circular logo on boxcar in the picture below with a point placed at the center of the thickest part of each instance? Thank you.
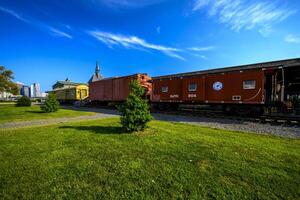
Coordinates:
(217, 86)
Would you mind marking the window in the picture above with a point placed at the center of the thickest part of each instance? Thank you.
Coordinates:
(248, 85)
(84, 93)
(192, 87)
(164, 89)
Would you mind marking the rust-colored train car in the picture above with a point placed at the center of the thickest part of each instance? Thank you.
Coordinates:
(256, 84)
(116, 89)
(230, 87)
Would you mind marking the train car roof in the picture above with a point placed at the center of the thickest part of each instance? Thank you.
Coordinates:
(278, 63)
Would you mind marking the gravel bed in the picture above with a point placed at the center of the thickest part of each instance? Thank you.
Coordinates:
(236, 125)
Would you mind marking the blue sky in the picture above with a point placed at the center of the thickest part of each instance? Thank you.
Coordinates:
(44, 41)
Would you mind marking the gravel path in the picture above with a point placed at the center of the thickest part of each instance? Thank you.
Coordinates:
(44, 122)
(229, 124)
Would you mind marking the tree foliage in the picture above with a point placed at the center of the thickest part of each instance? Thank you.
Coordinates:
(51, 104)
(135, 113)
(6, 83)
(23, 101)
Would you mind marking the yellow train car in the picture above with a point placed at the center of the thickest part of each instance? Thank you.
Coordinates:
(72, 93)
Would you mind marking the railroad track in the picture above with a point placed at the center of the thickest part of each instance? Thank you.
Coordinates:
(274, 119)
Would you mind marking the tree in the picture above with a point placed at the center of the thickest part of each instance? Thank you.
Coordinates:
(23, 101)
(6, 83)
(51, 104)
(135, 113)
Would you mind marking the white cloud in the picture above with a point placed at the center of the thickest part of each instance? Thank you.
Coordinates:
(290, 38)
(200, 56)
(266, 30)
(133, 42)
(198, 4)
(60, 33)
(245, 14)
(14, 14)
(36, 23)
(208, 48)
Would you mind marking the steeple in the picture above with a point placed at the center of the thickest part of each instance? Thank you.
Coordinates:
(97, 70)
(96, 76)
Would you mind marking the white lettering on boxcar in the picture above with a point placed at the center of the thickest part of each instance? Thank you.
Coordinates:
(174, 96)
(192, 95)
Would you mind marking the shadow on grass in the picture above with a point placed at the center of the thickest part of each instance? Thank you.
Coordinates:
(34, 111)
(97, 129)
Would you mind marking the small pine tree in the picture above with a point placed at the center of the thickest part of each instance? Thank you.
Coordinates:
(23, 101)
(135, 113)
(51, 104)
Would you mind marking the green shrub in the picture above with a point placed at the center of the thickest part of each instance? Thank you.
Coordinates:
(51, 104)
(135, 111)
(23, 101)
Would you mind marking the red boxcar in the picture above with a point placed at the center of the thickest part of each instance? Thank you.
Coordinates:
(232, 87)
(117, 88)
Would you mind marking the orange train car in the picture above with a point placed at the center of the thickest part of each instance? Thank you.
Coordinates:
(230, 87)
(256, 85)
(116, 89)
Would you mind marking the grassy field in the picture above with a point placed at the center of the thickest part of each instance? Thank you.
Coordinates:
(94, 159)
(11, 113)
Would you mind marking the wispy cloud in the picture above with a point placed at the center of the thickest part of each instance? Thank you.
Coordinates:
(290, 38)
(14, 14)
(208, 48)
(245, 14)
(266, 30)
(199, 56)
(59, 33)
(133, 42)
(36, 23)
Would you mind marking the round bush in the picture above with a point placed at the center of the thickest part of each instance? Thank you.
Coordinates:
(23, 101)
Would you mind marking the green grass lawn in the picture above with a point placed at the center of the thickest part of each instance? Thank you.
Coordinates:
(11, 113)
(93, 159)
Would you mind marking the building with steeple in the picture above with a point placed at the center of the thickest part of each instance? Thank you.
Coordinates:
(96, 76)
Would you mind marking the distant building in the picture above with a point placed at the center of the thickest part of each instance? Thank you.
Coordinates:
(6, 95)
(32, 94)
(44, 94)
(65, 84)
(97, 75)
(25, 91)
(35, 90)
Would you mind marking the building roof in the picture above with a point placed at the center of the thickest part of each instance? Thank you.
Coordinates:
(97, 75)
(278, 63)
(66, 83)
(69, 83)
